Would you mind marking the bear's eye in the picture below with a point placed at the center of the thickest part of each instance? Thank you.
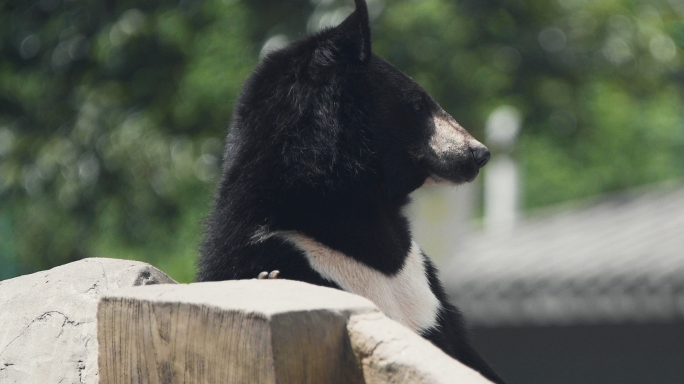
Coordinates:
(418, 105)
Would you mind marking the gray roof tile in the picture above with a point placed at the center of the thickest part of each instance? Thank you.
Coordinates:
(620, 258)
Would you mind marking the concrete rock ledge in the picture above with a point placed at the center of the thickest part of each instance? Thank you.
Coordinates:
(393, 354)
(47, 319)
(117, 321)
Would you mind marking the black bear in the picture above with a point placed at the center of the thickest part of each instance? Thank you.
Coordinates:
(326, 142)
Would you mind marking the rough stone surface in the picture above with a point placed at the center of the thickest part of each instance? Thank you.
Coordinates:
(250, 331)
(247, 331)
(392, 354)
(47, 319)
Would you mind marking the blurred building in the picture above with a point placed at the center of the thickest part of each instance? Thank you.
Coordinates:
(582, 293)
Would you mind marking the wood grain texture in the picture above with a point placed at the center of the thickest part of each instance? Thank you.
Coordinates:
(250, 331)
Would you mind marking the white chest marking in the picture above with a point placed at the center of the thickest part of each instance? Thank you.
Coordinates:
(405, 297)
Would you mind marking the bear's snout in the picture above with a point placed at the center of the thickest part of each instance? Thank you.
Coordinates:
(453, 155)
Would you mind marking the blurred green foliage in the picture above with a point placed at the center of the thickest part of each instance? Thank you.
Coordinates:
(112, 113)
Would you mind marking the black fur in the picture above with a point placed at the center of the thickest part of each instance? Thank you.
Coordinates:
(328, 140)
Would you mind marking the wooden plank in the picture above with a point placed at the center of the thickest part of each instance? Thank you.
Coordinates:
(248, 331)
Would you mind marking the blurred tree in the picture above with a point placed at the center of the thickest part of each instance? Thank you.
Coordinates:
(112, 113)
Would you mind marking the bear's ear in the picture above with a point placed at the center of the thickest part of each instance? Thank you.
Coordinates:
(352, 37)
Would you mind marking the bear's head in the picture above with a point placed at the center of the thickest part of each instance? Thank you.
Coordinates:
(326, 112)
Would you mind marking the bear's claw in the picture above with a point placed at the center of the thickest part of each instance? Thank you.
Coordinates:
(265, 275)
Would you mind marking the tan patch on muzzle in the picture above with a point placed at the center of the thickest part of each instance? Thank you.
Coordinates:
(449, 137)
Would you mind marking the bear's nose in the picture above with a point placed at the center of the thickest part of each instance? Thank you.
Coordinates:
(481, 155)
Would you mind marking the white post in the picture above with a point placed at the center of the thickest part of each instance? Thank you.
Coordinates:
(501, 181)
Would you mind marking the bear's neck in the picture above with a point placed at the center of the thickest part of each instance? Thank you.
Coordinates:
(373, 231)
